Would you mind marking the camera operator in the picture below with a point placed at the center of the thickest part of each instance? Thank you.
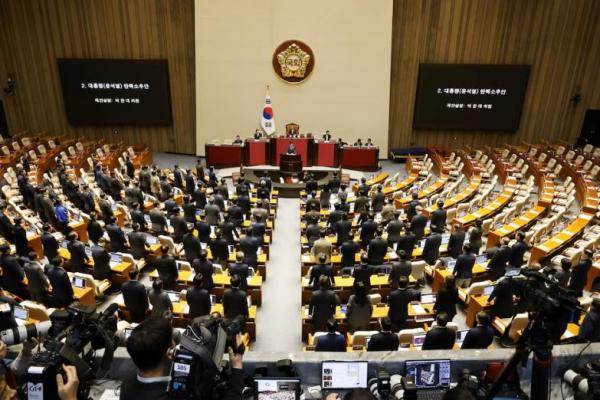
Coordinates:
(150, 346)
(590, 327)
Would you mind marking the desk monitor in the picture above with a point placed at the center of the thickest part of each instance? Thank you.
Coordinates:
(445, 238)
(174, 296)
(21, 313)
(116, 258)
(418, 340)
(64, 244)
(213, 299)
(428, 298)
(344, 375)
(480, 259)
(88, 251)
(512, 272)
(429, 374)
(151, 240)
(277, 389)
(488, 290)
(450, 264)
(79, 282)
(460, 335)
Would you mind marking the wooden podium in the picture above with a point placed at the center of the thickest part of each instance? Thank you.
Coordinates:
(290, 163)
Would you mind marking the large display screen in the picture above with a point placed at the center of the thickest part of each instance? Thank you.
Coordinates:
(115, 91)
(470, 96)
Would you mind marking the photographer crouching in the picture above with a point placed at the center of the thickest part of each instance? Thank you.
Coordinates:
(163, 370)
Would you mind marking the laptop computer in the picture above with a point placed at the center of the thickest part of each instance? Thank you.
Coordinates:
(512, 272)
(450, 265)
(151, 240)
(431, 377)
(488, 290)
(342, 376)
(277, 389)
(480, 259)
(213, 299)
(78, 282)
(174, 296)
(428, 298)
(20, 314)
(417, 340)
(64, 244)
(115, 259)
(445, 238)
(460, 335)
(88, 251)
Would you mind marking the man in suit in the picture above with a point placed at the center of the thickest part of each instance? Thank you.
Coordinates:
(367, 231)
(363, 271)
(191, 246)
(402, 267)
(342, 228)
(236, 215)
(260, 212)
(394, 229)
(319, 270)
(498, 262)
(385, 339)
(49, 242)
(480, 336)
(411, 210)
(20, 238)
(212, 212)
(105, 208)
(198, 298)
(517, 251)
(398, 301)
(178, 224)
(131, 195)
(61, 289)
(431, 250)
(158, 221)
(388, 212)
(378, 249)
(463, 269)
(249, 246)
(144, 178)
(407, 242)
(137, 242)
(418, 223)
(138, 217)
(235, 303)
(378, 199)
(440, 337)
(579, 273)
(167, 268)
(219, 248)
(135, 298)
(348, 250)
(101, 258)
(37, 285)
(240, 269)
(202, 266)
(87, 196)
(313, 233)
(94, 228)
(322, 305)
(204, 231)
(129, 167)
(502, 298)
(360, 204)
(327, 136)
(48, 207)
(79, 259)
(190, 182)
(332, 341)
(166, 191)
(178, 177)
(590, 327)
(322, 246)
(228, 229)
(438, 218)
(456, 241)
(189, 209)
(118, 241)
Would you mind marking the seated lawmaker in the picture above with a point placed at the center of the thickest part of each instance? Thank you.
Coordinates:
(237, 140)
(291, 149)
(332, 341)
(385, 340)
(440, 337)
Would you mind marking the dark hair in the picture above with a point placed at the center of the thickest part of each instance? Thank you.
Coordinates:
(135, 226)
(324, 282)
(236, 281)
(57, 261)
(450, 281)
(360, 293)
(483, 318)
(198, 279)
(386, 324)
(331, 325)
(149, 341)
(157, 285)
(402, 254)
(402, 281)
(442, 319)
(359, 394)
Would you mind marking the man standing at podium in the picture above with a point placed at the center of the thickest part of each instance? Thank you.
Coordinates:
(257, 134)
(327, 136)
(291, 149)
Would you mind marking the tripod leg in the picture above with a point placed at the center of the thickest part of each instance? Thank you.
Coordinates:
(540, 374)
(510, 367)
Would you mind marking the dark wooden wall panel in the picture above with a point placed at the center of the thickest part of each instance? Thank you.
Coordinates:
(560, 39)
(34, 33)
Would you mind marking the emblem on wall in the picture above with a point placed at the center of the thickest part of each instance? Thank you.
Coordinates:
(293, 61)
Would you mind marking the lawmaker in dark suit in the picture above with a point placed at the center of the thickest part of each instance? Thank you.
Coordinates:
(332, 341)
(159, 298)
(101, 258)
(235, 303)
(219, 248)
(590, 327)
(167, 269)
(198, 299)
(367, 231)
(342, 229)
(411, 210)
(20, 234)
(135, 298)
(403, 267)
(398, 301)
(94, 229)
(385, 339)
(431, 250)
(394, 229)
(249, 246)
(498, 262)
(377, 250)
(178, 224)
(319, 270)
(463, 269)
(118, 242)
(502, 295)
(440, 337)
(137, 242)
(62, 291)
(322, 305)
(438, 218)
(138, 217)
(37, 282)
(456, 241)
(191, 246)
(362, 273)
(407, 242)
(579, 273)
(480, 336)
(49, 242)
(418, 224)
(447, 298)
(204, 268)
(240, 269)
(79, 260)
(348, 250)
(517, 251)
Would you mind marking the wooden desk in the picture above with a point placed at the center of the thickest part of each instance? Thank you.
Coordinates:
(439, 275)
(491, 208)
(476, 304)
(84, 295)
(428, 191)
(120, 271)
(461, 197)
(521, 222)
(593, 274)
(35, 242)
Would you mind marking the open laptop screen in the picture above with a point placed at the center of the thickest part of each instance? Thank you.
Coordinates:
(277, 388)
(430, 374)
(344, 375)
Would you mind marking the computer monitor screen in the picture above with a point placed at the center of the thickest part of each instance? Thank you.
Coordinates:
(88, 251)
(445, 239)
(64, 244)
(78, 282)
(115, 258)
(450, 265)
(418, 340)
(344, 375)
(512, 272)
(480, 259)
(460, 335)
(128, 332)
(213, 299)
(429, 374)
(174, 296)
(21, 313)
(151, 240)
(488, 290)
(428, 298)
(277, 388)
